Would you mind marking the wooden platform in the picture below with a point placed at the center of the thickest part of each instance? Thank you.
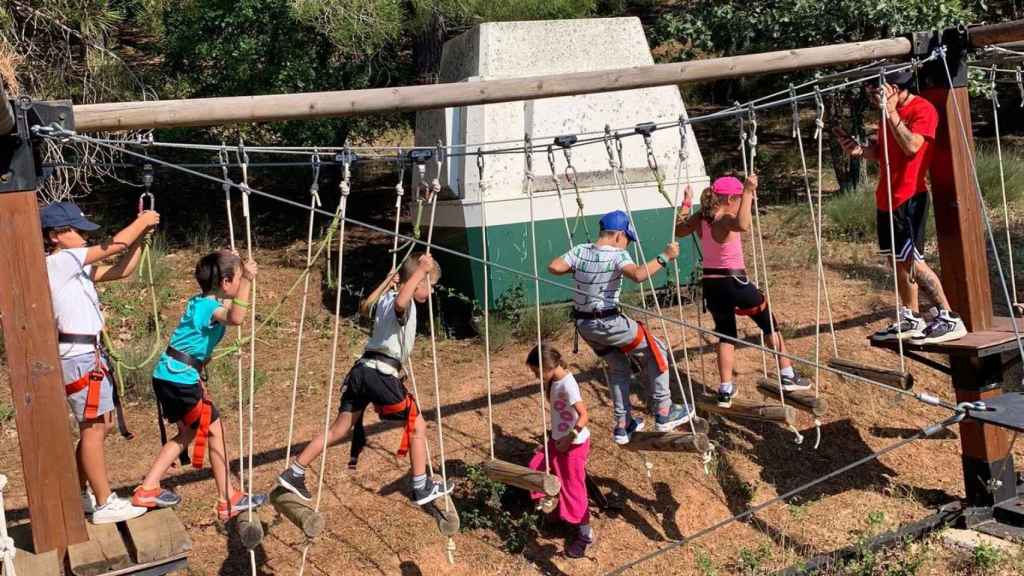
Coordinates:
(996, 340)
(154, 543)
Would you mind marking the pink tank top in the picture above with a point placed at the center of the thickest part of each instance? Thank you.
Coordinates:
(725, 255)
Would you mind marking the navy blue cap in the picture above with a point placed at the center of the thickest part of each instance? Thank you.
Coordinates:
(618, 221)
(61, 214)
(901, 78)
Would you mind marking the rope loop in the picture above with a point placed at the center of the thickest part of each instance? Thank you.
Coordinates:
(346, 170)
(609, 147)
(795, 107)
(684, 152)
(314, 187)
(528, 152)
(819, 114)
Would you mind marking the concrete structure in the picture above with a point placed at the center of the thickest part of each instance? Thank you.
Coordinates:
(516, 49)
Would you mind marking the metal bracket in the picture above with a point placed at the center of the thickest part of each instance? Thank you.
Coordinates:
(566, 141)
(957, 43)
(421, 155)
(21, 166)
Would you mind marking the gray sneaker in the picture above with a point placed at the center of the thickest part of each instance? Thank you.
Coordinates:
(796, 383)
(943, 328)
(294, 483)
(676, 417)
(432, 491)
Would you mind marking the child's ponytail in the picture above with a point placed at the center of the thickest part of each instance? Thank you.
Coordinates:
(709, 202)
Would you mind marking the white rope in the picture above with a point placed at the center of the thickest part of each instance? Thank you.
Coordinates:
(747, 169)
(884, 128)
(7, 549)
(558, 190)
(314, 202)
(487, 303)
(819, 136)
(528, 182)
(1002, 185)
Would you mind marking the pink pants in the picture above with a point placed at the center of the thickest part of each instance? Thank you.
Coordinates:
(571, 469)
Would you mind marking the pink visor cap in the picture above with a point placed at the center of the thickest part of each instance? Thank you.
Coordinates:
(728, 186)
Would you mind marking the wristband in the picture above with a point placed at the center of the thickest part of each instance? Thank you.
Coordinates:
(240, 303)
(662, 260)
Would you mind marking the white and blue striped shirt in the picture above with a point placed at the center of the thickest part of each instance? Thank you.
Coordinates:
(598, 274)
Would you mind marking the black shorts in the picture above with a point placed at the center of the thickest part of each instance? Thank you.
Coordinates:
(176, 400)
(908, 222)
(732, 295)
(364, 386)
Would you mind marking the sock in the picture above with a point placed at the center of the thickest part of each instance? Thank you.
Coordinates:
(788, 372)
(586, 532)
(298, 469)
(725, 387)
(419, 482)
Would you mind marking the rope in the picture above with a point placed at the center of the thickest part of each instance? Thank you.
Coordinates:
(558, 190)
(314, 202)
(922, 397)
(753, 240)
(884, 128)
(7, 549)
(487, 304)
(1002, 186)
(528, 183)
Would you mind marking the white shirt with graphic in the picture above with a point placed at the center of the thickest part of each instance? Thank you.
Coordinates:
(565, 393)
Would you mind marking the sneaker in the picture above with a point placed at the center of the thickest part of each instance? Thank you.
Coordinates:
(116, 510)
(294, 483)
(88, 502)
(621, 435)
(240, 502)
(432, 491)
(578, 548)
(945, 327)
(908, 327)
(796, 383)
(676, 417)
(725, 397)
(155, 498)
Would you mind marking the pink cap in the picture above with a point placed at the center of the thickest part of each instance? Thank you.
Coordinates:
(728, 186)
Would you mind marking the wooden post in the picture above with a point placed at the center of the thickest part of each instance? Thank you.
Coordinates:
(47, 457)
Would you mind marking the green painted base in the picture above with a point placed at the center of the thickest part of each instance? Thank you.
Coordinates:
(509, 245)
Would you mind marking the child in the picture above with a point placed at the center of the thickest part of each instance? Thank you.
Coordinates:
(598, 269)
(376, 379)
(179, 382)
(724, 214)
(568, 446)
(73, 269)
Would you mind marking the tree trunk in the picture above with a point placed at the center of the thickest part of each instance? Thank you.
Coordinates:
(427, 47)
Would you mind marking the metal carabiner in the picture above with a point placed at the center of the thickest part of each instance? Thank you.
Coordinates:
(819, 118)
(225, 161)
(314, 187)
(608, 145)
(618, 152)
(795, 109)
(400, 185)
(528, 151)
(147, 181)
(551, 161)
(684, 152)
(346, 170)
(480, 163)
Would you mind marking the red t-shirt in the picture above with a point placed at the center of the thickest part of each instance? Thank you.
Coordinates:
(908, 172)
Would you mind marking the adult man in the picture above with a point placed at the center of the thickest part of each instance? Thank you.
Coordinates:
(910, 123)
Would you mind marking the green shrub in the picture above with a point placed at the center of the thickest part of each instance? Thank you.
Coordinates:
(484, 504)
(6, 413)
(986, 558)
(987, 162)
(851, 215)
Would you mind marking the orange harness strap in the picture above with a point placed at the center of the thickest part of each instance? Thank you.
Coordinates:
(410, 421)
(753, 310)
(643, 334)
(93, 380)
(201, 412)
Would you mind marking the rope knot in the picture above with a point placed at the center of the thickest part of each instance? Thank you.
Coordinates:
(7, 549)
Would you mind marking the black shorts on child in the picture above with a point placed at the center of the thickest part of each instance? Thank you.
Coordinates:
(176, 400)
(365, 385)
(735, 295)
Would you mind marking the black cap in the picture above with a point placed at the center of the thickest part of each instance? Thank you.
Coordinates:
(901, 78)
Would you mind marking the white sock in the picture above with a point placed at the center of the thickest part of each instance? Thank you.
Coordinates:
(725, 387)
(419, 482)
(787, 372)
(298, 469)
(586, 531)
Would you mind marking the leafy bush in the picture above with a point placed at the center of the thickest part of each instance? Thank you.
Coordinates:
(485, 504)
(851, 215)
(987, 162)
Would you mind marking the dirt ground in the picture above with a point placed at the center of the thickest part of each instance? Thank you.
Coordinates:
(372, 528)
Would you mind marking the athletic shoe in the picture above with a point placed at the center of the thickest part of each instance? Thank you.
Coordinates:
(155, 498)
(116, 510)
(796, 383)
(725, 398)
(578, 548)
(676, 417)
(294, 483)
(909, 327)
(240, 502)
(945, 327)
(88, 502)
(621, 435)
(432, 491)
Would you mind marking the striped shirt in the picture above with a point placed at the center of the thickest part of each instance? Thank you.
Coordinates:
(598, 274)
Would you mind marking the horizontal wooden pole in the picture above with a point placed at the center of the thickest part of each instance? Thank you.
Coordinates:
(902, 380)
(751, 410)
(1001, 33)
(801, 400)
(522, 477)
(272, 108)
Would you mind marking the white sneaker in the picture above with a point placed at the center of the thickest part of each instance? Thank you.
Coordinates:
(908, 327)
(116, 510)
(88, 502)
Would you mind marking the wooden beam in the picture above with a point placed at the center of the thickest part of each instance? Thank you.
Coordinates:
(297, 511)
(902, 380)
(37, 382)
(668, 442)
(103, 552)
(751, 410)
(989, 34)
(522, 477)
(157, 536)
(800, 399)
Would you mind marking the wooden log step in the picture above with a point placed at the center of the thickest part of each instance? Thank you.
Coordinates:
(668, 442)
(446, 516)
(800, 399)
(522, 477)
(751, 410)
(45, 564)
(297, 511)
(103, 552)
(903, 380)
(250, 533)
(157, 535)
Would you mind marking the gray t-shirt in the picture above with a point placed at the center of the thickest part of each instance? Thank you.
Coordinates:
(392, 335)
(598, 274)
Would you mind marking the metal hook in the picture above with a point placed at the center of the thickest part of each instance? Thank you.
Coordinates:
(551, 159)
(314, 187)
(528, 151)
(400, 185)
(795, 107)
(480, 163)
(608, 145)
(992, 87)
(222, 155)
(819, 115)
(618, 152)
(147, 181)
(346, 170)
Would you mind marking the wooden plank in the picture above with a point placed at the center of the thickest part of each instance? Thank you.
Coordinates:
(522, 477)
(157, 535)
(297, 511)
(750, 410)
(800, 399)
(974, 344)
(45, 564)
(104, 551)
(37, 388)
(903, 380)
(271, 108)
(667, 442)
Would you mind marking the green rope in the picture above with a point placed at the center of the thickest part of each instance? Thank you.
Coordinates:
(120, 363)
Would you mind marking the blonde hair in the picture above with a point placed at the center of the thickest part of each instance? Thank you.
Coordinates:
(412, 263)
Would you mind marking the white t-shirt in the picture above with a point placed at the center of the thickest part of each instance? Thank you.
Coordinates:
(388, 328)
(565, 393)
(76, 307)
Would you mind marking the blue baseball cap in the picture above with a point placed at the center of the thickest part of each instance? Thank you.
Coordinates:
(618, 221)
(61, 214)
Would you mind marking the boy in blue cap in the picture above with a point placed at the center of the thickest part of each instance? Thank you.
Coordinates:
(598, 269)
(73, 268)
